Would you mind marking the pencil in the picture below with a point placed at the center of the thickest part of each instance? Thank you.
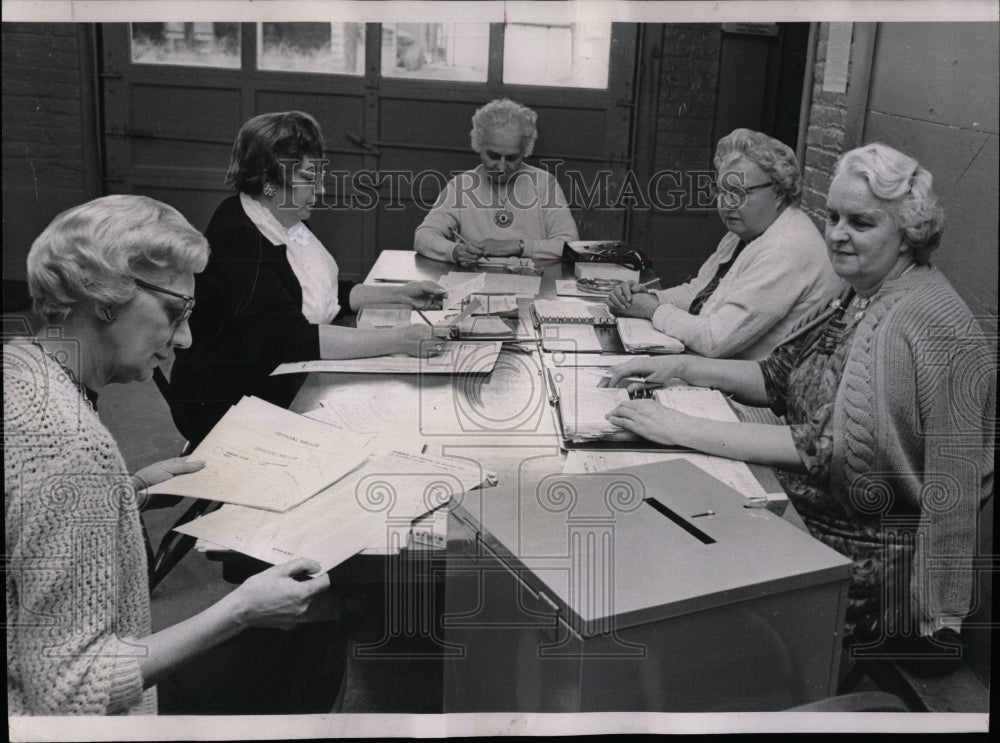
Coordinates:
(647, 284)
(459, 235)
(424, 317)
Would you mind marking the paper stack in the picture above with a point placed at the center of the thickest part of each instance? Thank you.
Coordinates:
(639, 336)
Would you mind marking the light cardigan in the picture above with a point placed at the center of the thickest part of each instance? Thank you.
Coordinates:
(76, 582)
(777, 279)
(541, 215)
(914, 425)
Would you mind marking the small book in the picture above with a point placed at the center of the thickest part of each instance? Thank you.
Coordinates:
(639, 336)
(569, 311)
(570, 338)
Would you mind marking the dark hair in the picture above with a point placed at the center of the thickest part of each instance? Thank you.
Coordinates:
(264, 141)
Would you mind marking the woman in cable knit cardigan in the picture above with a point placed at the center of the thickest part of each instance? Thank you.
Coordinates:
(113, 278)
(889, 395)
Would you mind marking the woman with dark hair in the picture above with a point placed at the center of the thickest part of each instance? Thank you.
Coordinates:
(768, 271)
(271, 289)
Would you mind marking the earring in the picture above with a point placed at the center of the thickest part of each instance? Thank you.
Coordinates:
(269, 189)
(106, 314)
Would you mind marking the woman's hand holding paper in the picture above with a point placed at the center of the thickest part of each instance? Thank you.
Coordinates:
(279, 596)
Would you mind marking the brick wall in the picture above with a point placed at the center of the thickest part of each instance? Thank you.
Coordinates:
(43, 158)
(824, 137)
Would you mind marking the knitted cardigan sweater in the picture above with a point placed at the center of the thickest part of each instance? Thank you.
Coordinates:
(913, 431)
(76, 575)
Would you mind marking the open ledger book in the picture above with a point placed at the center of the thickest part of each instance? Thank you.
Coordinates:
(264, 456)
(582, 409)
(376, 504)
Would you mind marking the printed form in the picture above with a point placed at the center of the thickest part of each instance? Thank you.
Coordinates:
(264, 456)
(374, 505)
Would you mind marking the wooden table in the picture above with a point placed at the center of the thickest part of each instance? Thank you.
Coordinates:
(504, 422)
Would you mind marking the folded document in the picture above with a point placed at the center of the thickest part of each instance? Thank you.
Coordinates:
(264, 456)
(375, 505)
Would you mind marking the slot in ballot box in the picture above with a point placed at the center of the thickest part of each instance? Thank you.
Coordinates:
(648, 589)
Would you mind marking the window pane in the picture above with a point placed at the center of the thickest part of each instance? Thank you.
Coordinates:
(436, 51)
(193, 44)
(572, 55)
(312, 47)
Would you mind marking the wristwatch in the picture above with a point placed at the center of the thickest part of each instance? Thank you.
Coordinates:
(520, 244)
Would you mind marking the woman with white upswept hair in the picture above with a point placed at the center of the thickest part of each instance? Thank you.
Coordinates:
(890, 400)
(504, 206)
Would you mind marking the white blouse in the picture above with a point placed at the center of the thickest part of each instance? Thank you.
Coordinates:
(311, 263)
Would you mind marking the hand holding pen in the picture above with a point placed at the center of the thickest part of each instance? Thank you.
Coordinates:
(466, 253)
(644, 373)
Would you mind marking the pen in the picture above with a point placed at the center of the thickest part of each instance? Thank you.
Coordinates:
(554, 394)
(391, 281)
(459, 235)
(637, 380)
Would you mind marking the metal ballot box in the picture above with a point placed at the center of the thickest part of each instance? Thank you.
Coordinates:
(651, 589)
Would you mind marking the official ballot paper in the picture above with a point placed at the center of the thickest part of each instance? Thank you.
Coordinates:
(472, 357)
(264, 456)
(583, 408)
(374, 505)
(461, 284)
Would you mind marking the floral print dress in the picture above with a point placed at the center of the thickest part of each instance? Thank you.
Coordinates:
(802, 378)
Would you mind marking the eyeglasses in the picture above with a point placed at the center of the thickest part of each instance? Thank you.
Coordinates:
(185, 313)
(735, 196)
(620, 253)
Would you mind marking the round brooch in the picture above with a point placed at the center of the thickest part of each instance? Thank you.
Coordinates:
(503, 217)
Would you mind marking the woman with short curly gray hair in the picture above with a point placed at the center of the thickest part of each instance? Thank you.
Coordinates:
(773, 157)
(504, 115)
(95, 252)
(767, 272)
(117, 277)
(504, 207)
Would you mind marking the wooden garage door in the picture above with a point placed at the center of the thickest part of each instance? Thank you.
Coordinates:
(394, 101)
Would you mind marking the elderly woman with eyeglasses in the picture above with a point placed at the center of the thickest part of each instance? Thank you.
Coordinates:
(768, 271)
(271, 290)
(114, 279)
(503, 207)
(890, 401)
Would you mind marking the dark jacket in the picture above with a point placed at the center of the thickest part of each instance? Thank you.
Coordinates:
(248, 319)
